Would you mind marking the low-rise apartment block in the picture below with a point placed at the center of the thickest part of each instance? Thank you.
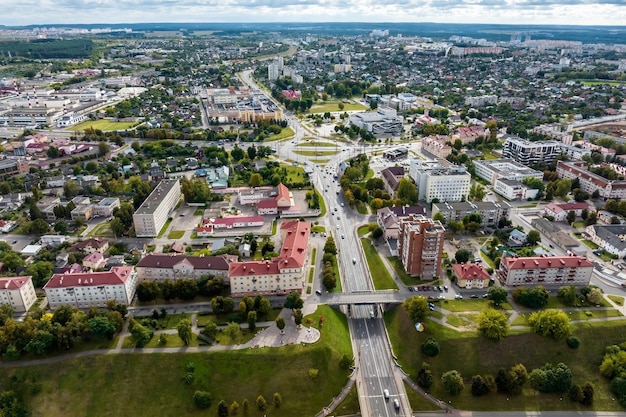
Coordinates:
(18, 292)
(283, 274)
(91, 289)
(590, 182)
(610, 237)
(544, 270)
(490, 212)
(160, 267)
(528, 153)
(492, 170)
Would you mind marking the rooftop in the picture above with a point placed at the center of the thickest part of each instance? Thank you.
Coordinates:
(156, 197)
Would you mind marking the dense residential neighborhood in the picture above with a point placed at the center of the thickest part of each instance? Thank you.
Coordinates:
(349, 198)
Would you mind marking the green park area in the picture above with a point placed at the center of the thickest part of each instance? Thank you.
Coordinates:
(463, 350)
(284, 134)
(380, 275)
(333, 106)
(307, 377)
(105, 125)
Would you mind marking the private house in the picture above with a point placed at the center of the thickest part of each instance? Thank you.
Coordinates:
(105, 207)
(611, 238)
(559, 211)
(471, 275)
(18, 292)
(93, 261)
(283, 274)
(160, 267)
(544, 270)
(516, 239)
(91, 289)
(90, 246)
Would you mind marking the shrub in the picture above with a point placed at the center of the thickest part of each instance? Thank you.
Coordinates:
(202, 399)
(479, 386)
(430, 347)
(261, 403)
(573, 342)
(278, 400)
(313, 373)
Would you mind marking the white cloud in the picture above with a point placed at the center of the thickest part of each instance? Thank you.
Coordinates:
(586, 12)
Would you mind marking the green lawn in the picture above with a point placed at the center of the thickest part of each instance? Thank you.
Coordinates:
(318, 229)
(578, 224)
(152, 384)
(286, 133)
(315, 153)
(199, 211)
(102, 229)
(363, 230)
(333, 106)
(165, 226)
(106, 125)
(316, 144)
(617, 299)
(399, 269)
(472, 355)
(380, 275)
(362, 208)
(350, 405)
(176, 234)
(471, 304)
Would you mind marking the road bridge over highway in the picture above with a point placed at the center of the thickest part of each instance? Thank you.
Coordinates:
(363, 298)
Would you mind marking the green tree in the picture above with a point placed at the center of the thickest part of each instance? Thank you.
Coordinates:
(234, 408)
(425, 376)
(462, 256)
(237, 154)
(261, 403)
(293, 301)
(184, 330)
(452, 382)
(101, 326)
(430, 347)
(568, 295)
(280, 323)
(277, 400)
(70, 189)
(256, 180)
(222, 409)
(551, 378)
(479, 386)
(493, 324)
(407, 192)
(497, 295)
(140, 335)
(41, 271)
(252, 320)
(202, 399)
(571, 217)
(476, 192)
(416, 307)
(550, 322)
(533, 237)
(297, 316)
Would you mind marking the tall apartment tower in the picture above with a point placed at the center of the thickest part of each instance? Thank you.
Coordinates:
(421, 246)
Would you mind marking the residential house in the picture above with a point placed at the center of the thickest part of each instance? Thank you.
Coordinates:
(93, 261)
(611, 238)
(90, 245)
(471, 275)
(516, 239)
(559, 211)
(105, 207)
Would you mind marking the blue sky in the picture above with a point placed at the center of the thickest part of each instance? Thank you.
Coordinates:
(574, 12)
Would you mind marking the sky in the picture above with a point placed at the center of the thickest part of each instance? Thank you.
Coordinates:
(570, 12)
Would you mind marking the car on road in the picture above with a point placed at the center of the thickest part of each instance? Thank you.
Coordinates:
(473, 296)
(343, 236)
(485, 295)
(318, 292)
(341, 204)
(353, 261)
(337, 227)
(411, 289)
(396, 404)
(386, 394)
(458, 296)
(445, 287)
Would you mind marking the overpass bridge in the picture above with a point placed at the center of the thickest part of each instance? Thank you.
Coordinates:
(363, 298)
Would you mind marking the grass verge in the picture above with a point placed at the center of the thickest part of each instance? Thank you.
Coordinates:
(380, 275)
(176, 234)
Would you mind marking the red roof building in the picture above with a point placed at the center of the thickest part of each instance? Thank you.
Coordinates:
(92, 289)
(545, 270)
(470, 275)
(18, 292)
(283, 198)
(209, 226)
(283, 274)
(265, 207)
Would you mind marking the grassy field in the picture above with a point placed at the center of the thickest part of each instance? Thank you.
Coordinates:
(103, 229)
(472, 355)
(603, 82)
(316, 144)
(617, 299)
(381, 277)
(333, 106)
(315, 153)
(363, 230)
(152, 384)
(102, 125)
(318, 228)
(284, 134)
(399, 269)
(176, 234)
(471, 304)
